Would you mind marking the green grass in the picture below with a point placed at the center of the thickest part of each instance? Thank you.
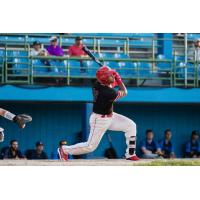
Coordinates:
(175, 162)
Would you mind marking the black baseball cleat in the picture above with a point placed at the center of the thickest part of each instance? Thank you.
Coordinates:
(133, 158)
(20, 121)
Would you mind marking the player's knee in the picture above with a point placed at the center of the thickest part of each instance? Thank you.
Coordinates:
(131, 125)
(131, 128)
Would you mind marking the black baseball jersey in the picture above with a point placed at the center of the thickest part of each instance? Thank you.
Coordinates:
(104, 97)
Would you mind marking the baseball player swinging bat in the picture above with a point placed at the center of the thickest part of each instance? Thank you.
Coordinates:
(20, 120)
(103, 117)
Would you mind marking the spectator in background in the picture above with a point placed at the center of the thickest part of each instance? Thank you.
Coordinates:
(37, 50)
(149, 148)
(192, 148)
(2, 153)
(76, 49)
(194, 52)
(38, 153)
(53, 49)
(55, 154)
(166, 145)
(13, 151)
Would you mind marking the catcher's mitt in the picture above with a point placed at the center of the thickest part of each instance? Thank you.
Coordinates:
(22, 119)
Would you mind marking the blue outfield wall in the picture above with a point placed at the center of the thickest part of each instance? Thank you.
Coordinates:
(84, 94)
(55, 121)
(51, 123)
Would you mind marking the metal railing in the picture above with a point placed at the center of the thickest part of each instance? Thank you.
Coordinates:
(163, 72)
(24, 72)
(125, 44)
(136, 73)
(172, 74)
(98, 42)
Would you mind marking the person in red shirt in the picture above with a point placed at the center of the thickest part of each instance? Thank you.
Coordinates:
(76, 49)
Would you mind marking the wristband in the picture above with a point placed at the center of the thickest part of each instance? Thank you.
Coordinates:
(8, 115)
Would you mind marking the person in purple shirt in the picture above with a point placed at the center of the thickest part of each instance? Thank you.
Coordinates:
(54, 49)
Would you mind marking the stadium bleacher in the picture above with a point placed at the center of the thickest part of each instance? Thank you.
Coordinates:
(122, 35)
(37, 67)
(134, 55)
(193, 36)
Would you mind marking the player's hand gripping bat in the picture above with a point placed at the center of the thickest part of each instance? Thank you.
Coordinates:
(91, 55)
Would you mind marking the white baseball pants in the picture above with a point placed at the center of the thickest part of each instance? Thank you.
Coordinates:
(98, 126)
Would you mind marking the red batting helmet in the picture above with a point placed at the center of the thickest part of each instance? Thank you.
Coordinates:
(103, 73)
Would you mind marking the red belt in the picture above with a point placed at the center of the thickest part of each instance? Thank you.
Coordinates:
(109, 115)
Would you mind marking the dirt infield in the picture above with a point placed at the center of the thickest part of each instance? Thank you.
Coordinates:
(102, 162)
(79, 162)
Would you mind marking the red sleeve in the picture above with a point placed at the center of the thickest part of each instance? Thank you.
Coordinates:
(70, 51)
(118, 96)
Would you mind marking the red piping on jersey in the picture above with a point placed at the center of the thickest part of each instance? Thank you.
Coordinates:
(118, 96)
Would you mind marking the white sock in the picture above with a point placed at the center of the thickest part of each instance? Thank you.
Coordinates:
(8, 115)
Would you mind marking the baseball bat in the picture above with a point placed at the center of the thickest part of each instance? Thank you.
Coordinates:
(91, 55)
